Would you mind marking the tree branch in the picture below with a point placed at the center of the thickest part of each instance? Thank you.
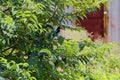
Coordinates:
(55, 10)
(11, 51)
(7, 49)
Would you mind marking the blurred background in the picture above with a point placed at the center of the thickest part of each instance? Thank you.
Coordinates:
(102, 23)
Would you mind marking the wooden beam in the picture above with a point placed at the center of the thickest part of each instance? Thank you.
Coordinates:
(105, 19)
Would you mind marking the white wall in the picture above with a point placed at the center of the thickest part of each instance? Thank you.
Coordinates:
(114, 21)
(69, 22)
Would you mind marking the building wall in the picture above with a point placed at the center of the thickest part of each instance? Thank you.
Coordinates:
(114, 21)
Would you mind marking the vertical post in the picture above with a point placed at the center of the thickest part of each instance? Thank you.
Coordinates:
(105, 19)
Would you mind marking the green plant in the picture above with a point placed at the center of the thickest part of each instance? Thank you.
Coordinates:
(14, 71)
(27, 50)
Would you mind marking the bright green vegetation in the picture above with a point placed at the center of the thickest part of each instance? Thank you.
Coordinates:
(27, 51)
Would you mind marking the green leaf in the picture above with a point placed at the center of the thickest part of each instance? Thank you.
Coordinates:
(45, 51)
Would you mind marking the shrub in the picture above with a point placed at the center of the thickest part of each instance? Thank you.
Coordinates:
(27, 50)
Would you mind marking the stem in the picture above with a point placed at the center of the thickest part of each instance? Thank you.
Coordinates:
(7, 49)
(55, 10)
(11, 51)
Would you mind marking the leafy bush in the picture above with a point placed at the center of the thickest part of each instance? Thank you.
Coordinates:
(27, 51)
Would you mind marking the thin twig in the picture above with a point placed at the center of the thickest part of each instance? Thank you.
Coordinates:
(11, 52)
(7, 49)
(55, 10)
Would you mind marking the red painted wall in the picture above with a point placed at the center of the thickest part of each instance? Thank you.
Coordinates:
(94, 23)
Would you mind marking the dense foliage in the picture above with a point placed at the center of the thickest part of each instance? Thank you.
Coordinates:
(27, 50)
